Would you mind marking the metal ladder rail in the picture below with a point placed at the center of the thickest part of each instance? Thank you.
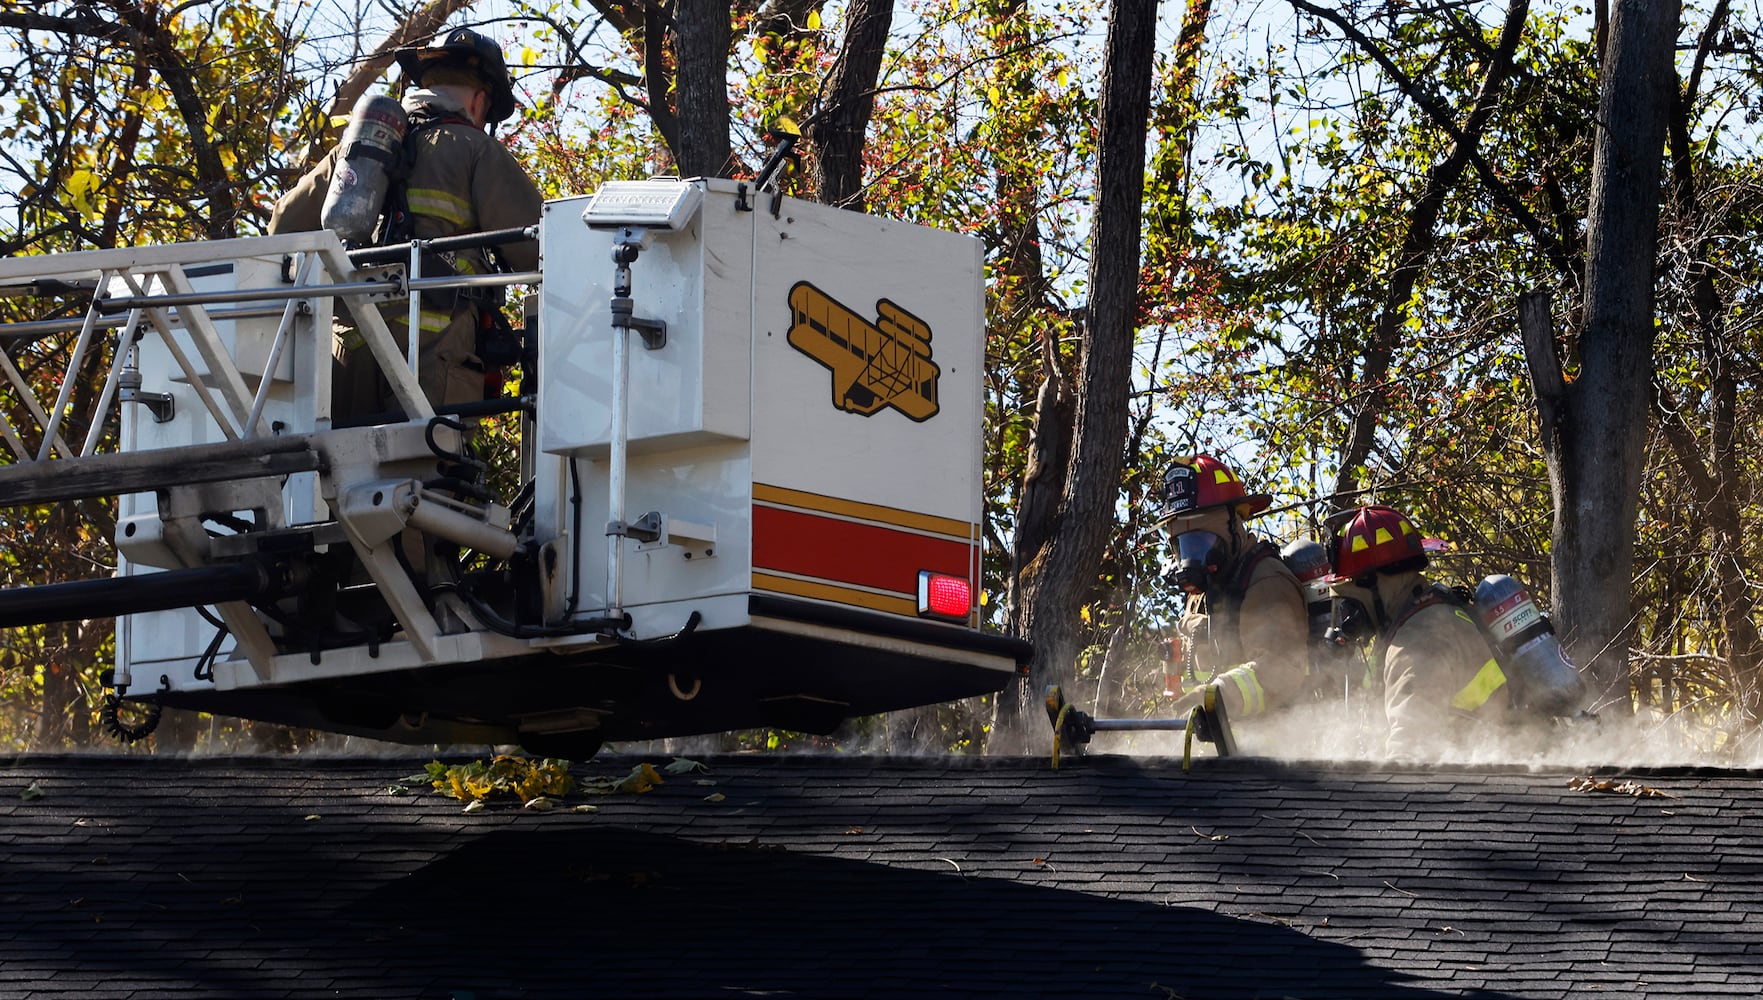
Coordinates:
(222, 389)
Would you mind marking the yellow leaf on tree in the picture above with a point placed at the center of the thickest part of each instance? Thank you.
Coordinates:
(528, 57)
(814, 20)
(81, 186)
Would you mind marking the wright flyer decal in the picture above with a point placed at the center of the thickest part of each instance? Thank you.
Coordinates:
(885, 363)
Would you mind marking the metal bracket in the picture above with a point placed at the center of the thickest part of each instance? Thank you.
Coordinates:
(654, 331)
(128, 390)
(697, 540)
(647, 528)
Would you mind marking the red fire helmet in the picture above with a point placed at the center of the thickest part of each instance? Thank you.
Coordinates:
(1202, 482)
(1375, 538)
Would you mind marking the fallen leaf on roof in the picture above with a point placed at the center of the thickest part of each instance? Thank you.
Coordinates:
(32, 791)
(584, 809)
(642, 778)
(715, 797)
(681, 765)
(473, 806)
(1634, 788)
(311, 817)
(540, 804)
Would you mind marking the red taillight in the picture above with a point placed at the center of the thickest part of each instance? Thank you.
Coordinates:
(944, 596)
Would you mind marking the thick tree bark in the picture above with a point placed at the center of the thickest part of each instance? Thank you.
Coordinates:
(1062, 573)
(1596, 471)
(701, 42)
(849, 98)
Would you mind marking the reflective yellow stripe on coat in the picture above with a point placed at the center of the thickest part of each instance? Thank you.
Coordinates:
(437, 204)
(1477, 692)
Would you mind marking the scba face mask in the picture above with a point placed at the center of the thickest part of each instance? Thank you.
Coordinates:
(1199, 556)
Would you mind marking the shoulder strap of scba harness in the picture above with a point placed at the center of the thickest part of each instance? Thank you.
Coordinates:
(1236, 586)
(1438, 593)
(397, 225)
(1493, 672)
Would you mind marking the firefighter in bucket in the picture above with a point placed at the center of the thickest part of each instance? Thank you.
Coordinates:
(446, 175)
(1245, 628)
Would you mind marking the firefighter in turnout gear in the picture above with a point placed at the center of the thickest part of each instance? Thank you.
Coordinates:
(1245, 627)
(455, 178)
(1443, 688)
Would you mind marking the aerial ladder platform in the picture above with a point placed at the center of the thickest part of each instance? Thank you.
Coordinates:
(745, 487)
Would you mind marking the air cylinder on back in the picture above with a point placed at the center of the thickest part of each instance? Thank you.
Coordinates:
(1308, 561)
(372, 145)
(1547, 681)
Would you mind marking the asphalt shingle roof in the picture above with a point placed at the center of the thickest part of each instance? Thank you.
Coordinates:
(842, 876)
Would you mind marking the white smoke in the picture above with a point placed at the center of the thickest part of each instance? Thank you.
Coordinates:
(1335, 732)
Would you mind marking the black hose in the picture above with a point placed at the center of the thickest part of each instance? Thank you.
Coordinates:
(398, 252)
(110, 714)
(494, 621)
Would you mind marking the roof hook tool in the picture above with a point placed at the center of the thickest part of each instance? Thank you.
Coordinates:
(1073, 727)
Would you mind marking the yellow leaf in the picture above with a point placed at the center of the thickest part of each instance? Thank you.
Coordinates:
(814, 20)
(81, 186)
(642, 778)
(528, 57)
(788, 126)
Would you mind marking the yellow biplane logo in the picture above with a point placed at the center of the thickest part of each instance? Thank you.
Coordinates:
(885, 363)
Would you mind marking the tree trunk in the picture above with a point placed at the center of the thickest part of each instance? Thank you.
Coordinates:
(1595, 472)
(1059, 576)
(701, 41)
(850, 97)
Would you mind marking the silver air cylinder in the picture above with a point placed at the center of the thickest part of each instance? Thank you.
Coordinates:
(1547, 682)
(371, 147)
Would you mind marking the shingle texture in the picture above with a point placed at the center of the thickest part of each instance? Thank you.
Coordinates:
(836, 876)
